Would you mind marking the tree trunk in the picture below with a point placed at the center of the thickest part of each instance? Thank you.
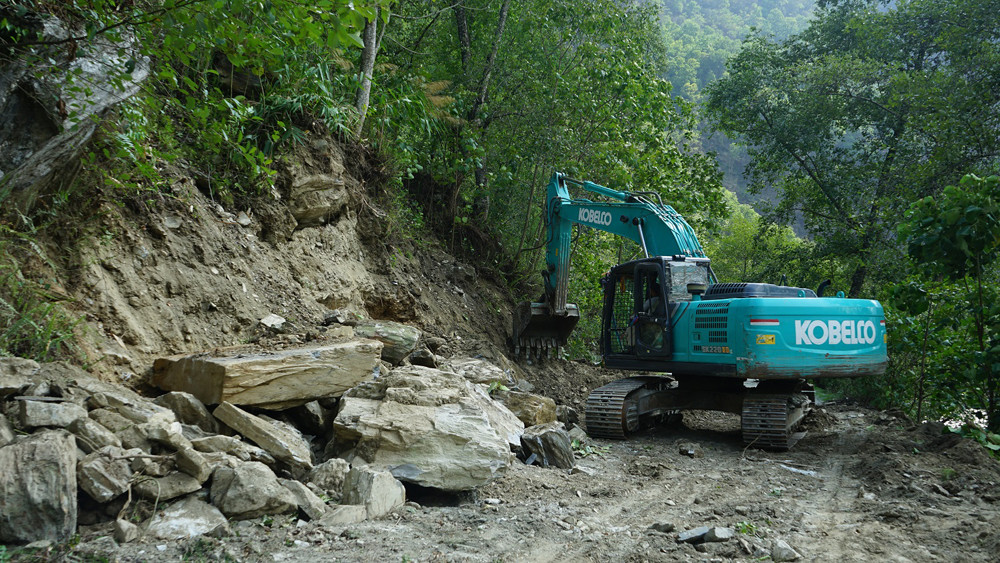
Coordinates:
(464, 40)
(363, 94)
(484, 82)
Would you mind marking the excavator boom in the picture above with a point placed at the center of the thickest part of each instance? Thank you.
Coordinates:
(544, 325)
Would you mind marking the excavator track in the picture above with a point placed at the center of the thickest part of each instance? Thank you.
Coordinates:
(769, 420)
(609, 414)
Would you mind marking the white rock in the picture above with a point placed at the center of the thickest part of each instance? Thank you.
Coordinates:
(187, 518)
(378, 491)
(429, 427)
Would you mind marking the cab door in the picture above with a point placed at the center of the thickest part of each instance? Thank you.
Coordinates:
(650, 323)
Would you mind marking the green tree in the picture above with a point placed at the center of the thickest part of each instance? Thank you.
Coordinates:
(875, 105)
(957, 235)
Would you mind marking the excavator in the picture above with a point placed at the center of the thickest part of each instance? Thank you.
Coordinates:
(743, 348)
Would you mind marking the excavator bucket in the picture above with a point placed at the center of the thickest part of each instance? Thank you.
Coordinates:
(538, 332)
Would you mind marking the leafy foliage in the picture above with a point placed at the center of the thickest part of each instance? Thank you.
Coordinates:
(957, 236)
(859, 115)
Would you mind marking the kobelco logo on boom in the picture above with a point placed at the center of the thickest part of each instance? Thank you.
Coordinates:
(834, 332)
(594, 216)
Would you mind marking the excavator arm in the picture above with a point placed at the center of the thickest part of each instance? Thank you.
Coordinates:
(540, 327)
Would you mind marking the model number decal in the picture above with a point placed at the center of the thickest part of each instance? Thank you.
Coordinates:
(812, 333)
(712, 349)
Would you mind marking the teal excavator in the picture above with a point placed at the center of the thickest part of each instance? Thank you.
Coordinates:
(745, 348)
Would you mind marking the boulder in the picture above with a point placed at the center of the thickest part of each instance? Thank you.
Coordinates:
(16, 374)
(424, 357)
(250, 490)
(166, 488)
(277, 440)
(329, 476)
(309, 503)
(104, 474)
(378, 491)
(429, 427)
(35, 414)
(550, 443)
(478, 371)
(313, 198)
(400, 340)
(38, 486)
(189, 410)
(187, 518)
(92, 435)
(529, 408)
(275, 380)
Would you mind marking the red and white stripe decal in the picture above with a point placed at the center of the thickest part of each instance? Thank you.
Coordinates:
(882, 322)
(764, 322)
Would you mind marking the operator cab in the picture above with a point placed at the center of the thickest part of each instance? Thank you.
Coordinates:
(639, 298)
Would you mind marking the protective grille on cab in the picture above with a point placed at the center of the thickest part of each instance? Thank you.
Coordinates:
(713, 317)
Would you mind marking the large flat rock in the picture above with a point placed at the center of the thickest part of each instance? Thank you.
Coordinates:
(274, 380)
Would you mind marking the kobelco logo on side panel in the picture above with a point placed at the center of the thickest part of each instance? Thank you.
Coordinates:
(834, 332)
(594, 216)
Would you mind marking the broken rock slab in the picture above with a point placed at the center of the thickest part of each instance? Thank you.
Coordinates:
(400, 340)
(309, 503)
(38, 485)
(329, 476)
(189, 410)
(104, 474)
(429, 427)
(378, 491)
(276, 380)
(278, 441)
(35, 414)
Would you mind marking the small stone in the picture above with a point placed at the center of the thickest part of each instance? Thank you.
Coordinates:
(719, 534)
(424, 357)
(243, 219)
(567, 415)
(694, 535)
(581, 470)
(781, 551)
(125, 531)
(309, 504)
(665, 527)
(172, 222)
(691, 450)
(273, 322)
(342, 514)
(193, 463)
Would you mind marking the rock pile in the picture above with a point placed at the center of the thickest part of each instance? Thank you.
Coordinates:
(77, 450)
